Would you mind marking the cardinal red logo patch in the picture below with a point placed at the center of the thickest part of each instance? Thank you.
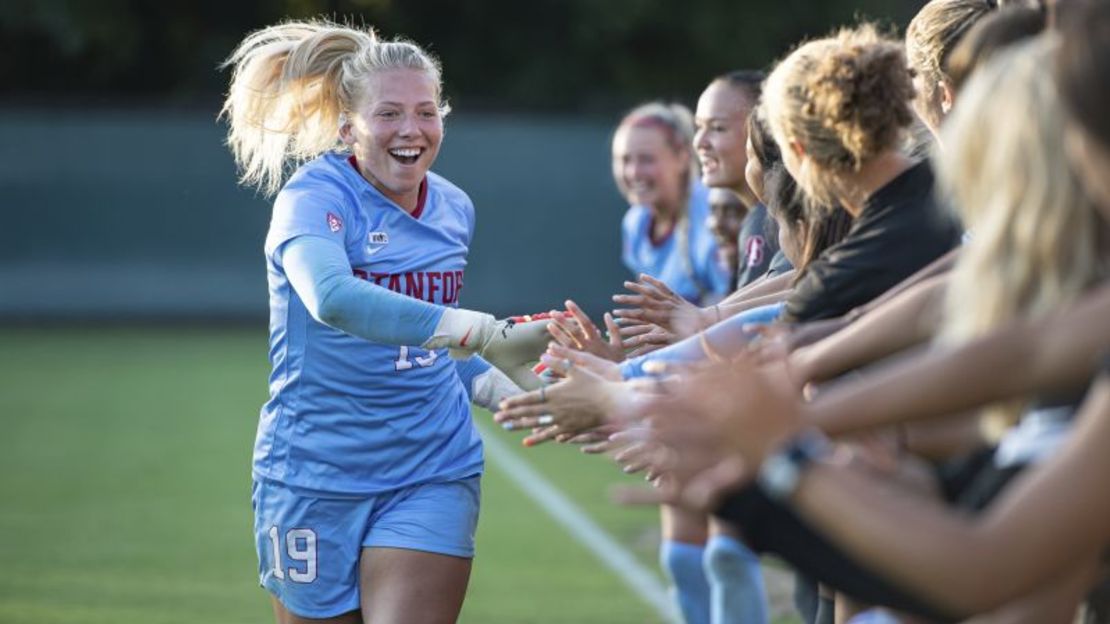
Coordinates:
(334, 223)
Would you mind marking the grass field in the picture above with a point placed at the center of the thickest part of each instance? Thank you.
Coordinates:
(125, 491)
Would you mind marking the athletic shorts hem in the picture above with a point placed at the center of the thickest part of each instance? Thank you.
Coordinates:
(306, 612)
(435, 549)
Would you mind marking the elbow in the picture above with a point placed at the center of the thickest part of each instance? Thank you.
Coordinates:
(329, 312)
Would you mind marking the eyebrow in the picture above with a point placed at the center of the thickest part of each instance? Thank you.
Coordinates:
(389, 103)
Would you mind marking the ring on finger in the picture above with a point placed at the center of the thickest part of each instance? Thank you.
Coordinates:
(543, 394)
(545, 419)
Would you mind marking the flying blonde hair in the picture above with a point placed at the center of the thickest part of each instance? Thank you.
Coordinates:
(293, 83)
(1035, 242)
(931, 37)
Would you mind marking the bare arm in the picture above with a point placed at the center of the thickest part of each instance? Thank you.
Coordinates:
(903, 321)
(732, 309)
(1055, 353)
(762, 286)
(811, 332)
(968, 564)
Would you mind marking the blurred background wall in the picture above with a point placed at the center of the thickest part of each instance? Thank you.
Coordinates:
(118, 199)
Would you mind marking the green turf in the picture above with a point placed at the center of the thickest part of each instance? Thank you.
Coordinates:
(125, 491)
(125, 485)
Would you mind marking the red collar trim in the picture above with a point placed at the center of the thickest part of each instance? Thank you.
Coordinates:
(421, 196)
(657, 242)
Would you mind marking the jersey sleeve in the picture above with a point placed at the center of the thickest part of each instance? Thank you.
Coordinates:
(319, 272)
(309, 206)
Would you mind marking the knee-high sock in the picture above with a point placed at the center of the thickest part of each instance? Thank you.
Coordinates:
(683, 564)
(737, 592)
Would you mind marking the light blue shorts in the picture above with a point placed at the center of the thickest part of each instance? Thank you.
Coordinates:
(309, 546)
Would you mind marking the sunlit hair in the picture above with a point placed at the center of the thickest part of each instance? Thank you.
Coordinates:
(1035, 242)
(676, 123)
(291, 84)
(845, 99)
(1005, 27)
(932, 35)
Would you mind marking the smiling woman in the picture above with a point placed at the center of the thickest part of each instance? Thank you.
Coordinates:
(396, 134)
(366, 462)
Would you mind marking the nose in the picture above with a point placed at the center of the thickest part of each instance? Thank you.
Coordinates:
(408, 126)
(700, 141)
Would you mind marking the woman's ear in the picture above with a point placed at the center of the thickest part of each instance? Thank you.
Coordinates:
(947, 96)
(346, 133)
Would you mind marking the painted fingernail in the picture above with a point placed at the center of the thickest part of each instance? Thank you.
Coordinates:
(508, 426)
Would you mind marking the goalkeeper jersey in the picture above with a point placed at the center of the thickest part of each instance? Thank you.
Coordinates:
(686, 259)
(345, 415)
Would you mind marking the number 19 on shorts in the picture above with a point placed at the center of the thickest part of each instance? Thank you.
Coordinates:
(300, 547)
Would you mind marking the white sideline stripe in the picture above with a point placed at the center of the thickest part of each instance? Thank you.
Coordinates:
(617, 558)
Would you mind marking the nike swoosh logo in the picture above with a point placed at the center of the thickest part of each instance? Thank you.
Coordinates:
(466, 336)
(373, 250)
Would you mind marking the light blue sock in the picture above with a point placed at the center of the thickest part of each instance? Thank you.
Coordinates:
(737, 593)
(683, 564)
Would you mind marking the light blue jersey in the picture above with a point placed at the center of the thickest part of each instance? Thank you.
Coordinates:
(349, 416)
(686, 260)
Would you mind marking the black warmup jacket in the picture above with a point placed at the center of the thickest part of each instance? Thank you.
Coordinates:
(902, 229)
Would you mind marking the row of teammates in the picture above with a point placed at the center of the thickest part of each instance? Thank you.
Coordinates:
(837, 265)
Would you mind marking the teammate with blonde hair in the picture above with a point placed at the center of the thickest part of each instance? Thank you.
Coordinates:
(931, 37)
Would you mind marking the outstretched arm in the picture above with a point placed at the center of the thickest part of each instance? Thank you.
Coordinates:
(320, 273)
(1055, 353)
(902, 322)
(965, 564)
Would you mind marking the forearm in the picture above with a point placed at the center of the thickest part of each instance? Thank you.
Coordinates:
(725, 339)
(904, 321)
(1057, 353)
(485, 385)
(761, 286)
(320, 274)
(732, 309)
(963, 564)
(810, 332)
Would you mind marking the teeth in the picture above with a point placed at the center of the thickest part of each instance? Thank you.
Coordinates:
(406, 152)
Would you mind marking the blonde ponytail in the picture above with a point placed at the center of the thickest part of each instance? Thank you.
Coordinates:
(290, 86)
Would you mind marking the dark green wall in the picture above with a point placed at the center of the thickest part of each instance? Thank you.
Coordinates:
(137, 214)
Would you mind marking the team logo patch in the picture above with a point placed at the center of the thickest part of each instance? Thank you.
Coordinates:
(334, 222)
(755, 251)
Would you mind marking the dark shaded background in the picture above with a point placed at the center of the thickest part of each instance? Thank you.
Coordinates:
(118, 199)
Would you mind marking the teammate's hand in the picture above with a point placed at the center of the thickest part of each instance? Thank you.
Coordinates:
(654, 302)
(641, 339)
(582, 401)
(578, 332)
